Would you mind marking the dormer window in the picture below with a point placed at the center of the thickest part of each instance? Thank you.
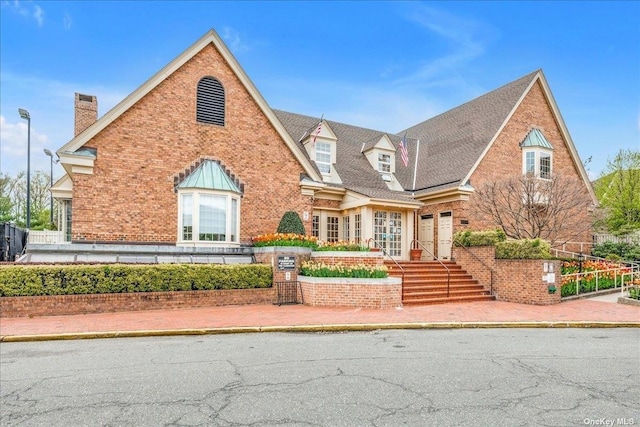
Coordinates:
(537, 159)
(384, 163)
(323, 157)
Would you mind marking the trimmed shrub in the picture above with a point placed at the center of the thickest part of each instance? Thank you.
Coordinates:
(479, 238)
(103, 279)
(291, 223)
(523, 249)
(622, 250)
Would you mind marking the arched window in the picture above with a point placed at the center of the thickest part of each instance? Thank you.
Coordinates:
(210, 102)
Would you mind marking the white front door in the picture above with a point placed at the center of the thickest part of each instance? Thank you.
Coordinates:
(445, 235)
(425, 235)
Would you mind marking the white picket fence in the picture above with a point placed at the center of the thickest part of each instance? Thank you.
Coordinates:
(604, 238)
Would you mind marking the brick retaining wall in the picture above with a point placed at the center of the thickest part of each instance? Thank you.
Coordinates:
(60, 305)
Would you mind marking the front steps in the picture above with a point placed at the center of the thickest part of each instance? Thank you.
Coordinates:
(425, 282)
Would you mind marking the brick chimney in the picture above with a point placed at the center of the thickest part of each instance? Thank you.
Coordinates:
(86, 112)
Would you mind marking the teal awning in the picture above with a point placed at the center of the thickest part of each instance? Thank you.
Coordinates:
(209, 176)
(535, 138)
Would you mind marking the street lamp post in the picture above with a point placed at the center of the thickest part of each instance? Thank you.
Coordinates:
(25, 115)
(50, 154)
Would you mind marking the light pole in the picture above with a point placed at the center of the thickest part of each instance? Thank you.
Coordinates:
(50, 154)
(25, 115)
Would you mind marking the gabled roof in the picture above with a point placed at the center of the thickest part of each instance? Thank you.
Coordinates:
(452, 142)
(211, 37)
(352, 165)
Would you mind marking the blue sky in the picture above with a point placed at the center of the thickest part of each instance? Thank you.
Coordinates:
(382, 65)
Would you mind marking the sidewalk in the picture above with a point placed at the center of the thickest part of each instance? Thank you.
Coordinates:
(602, 311)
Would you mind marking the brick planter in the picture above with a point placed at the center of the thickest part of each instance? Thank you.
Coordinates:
(349, 292)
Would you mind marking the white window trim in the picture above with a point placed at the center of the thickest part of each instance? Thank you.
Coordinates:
(196, 192)
(382, 163)
(537, 155)
(328, 152)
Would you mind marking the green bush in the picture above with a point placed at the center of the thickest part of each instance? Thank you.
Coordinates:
(103, 279)
(479, 238)
(626, 251)
(634, 292)
(523, 249)
(291, 223)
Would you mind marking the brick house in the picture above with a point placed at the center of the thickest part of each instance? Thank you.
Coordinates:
(195, 157)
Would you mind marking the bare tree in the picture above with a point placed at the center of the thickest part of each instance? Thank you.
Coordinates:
(525, 207)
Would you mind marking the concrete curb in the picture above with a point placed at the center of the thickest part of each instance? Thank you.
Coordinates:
(316, 328)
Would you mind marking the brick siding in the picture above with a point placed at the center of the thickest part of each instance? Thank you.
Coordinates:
(335, 292)
(512, 280)
(130, 196)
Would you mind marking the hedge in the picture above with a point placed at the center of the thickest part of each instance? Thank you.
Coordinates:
(479, 238)
(523, 249)
(102, 279)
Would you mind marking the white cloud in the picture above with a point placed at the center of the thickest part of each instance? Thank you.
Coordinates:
(38, 14)
(67, 21)
(14, 143)
(232, 38)
(50, 104)
(26, 10)
(467, 39)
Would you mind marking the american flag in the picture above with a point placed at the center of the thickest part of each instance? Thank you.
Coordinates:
(404, 154)
(317, 132)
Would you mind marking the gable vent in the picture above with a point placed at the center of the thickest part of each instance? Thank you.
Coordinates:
(210, 102)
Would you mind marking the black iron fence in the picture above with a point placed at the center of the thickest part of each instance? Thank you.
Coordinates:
(12, 241)
(289, 292)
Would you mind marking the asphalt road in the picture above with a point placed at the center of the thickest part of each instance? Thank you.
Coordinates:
(483, 377)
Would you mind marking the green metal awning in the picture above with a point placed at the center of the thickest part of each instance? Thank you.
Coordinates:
(535, 138)
(209, 176)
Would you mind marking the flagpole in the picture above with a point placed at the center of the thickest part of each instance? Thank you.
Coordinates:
(415, 167)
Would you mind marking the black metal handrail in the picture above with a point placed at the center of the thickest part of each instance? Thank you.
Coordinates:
(481, 262)
(384, 252)
(421, 246)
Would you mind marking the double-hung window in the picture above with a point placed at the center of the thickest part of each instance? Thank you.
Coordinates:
(384, 163)
(323, 157)
(538, 163)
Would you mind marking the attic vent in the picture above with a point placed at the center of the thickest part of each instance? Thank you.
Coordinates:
(210, 102)
(86, 98)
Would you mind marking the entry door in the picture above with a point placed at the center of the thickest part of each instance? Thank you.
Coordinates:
(445, 235)
(387, 231)
(425, 234)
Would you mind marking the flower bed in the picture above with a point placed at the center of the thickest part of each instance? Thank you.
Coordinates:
(595, 275)
(285, 239)
(361, 270)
